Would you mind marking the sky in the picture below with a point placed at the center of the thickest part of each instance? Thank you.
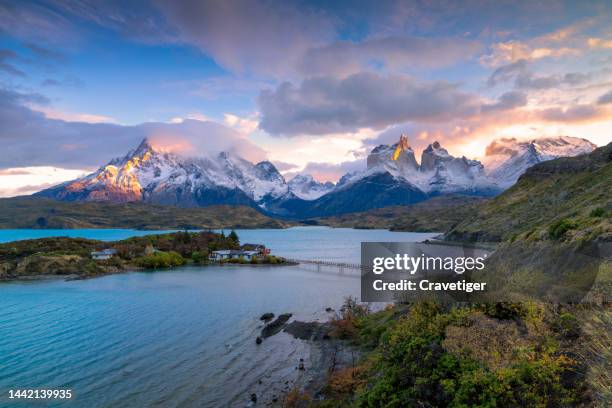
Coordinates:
(312, 86)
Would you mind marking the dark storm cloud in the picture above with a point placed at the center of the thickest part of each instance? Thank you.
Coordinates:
(365, 100)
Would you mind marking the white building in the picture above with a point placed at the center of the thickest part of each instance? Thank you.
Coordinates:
(103, 255)
(233, 254)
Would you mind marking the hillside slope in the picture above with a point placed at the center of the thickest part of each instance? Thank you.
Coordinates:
(563, 199)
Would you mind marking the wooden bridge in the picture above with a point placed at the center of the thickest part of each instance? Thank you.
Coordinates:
(318, 263)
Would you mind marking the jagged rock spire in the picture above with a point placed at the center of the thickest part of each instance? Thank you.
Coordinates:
(402, 145)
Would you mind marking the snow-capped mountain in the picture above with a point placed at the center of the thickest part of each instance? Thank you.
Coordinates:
(392, 177)
(507, 159)
(306, 187)
(152, 175)
(438, 173)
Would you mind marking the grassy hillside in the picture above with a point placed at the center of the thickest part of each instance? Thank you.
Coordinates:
(437, 214)
(567, 199)
(37, 212)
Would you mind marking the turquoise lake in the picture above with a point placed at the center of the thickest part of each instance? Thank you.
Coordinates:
(181, 337)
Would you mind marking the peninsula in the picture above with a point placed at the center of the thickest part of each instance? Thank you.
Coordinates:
(80, 258)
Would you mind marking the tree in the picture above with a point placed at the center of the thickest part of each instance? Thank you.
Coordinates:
(234, 237)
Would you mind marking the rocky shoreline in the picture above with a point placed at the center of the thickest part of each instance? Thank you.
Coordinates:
(326, 354)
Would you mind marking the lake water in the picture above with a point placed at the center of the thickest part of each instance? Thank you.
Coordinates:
(181, 337)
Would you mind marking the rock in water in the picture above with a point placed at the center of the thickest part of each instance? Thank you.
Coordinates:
(277, 325)
(266, 317)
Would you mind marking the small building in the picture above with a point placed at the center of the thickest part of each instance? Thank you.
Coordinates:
(234, 254)
(260, 249)
(103, 254)
(220, 255)
(248, 255)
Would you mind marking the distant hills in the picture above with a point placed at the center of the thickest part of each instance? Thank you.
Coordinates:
(437, 214)
(392, 177)
(40, 212)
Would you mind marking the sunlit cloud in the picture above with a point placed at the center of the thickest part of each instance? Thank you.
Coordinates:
(27, 180)
(51, 113)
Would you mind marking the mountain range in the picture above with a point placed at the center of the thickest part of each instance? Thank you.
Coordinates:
(393, 177)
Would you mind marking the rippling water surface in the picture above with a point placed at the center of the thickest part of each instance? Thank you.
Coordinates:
(180, 337)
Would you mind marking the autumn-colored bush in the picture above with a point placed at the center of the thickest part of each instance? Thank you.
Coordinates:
(297, 399)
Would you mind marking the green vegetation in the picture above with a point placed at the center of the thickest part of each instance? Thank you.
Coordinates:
(38, 212)
(437, 214)
(234, 237)
(266, 260)
(558, 229)
(160, 260)
(425, 355)
(566, 199)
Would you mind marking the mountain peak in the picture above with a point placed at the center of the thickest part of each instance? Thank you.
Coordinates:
(306, 187)
(507, 158)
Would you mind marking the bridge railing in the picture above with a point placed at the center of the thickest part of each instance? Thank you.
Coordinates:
(341, 265)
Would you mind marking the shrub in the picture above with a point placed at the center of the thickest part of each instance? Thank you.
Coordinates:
(413, 368)
(345, 324)
(597, 212)
(199, 257)
(504, 310)
(270, 259)
(160, 260)
(558, 229)
(567, 325)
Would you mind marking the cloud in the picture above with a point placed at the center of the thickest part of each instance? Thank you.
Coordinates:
(5, 66)
(509, 100)
(67, 81)
(35, 22)
(330, 171)
(27, 180)
(577, 113)
(31, 139)
(283, 166)
(51, 113)
(343, 58)
(600, 43)
(523, 78)
(513, 51)
(605, 98)
(45, 53)
(568, 41)
(366, 100)
(245, 125)
(247, 36)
